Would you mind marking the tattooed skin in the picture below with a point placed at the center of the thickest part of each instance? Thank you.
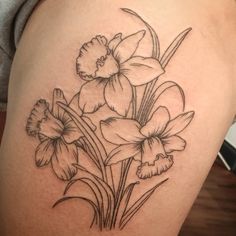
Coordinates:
(141, 131)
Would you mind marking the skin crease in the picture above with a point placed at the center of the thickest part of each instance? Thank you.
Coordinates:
(204, 66)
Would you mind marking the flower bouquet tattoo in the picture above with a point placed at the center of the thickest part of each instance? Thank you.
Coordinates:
(141, 131)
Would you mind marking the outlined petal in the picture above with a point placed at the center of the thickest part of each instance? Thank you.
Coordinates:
(107, 67)
(178, 124)
(166, 94)
(118, 94)
(115, 41)
(90, 52)
(174, 143)
(71, 132)
(58, 96)
(51, 126)
(162, 164)
(44, 152)
(138, 156)
(157, 123)
(38, 113)
(121, 153)
(92, 95)
(42, 137)
(128, 46)
(121, 131)
(140, 70)
(63, 160)
(151, 149)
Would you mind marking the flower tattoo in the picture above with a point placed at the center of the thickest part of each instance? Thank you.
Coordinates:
(142, 134)
(150, 144)
(57, 133)
(111, 69)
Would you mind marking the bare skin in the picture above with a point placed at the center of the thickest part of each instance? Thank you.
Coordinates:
(49, 63)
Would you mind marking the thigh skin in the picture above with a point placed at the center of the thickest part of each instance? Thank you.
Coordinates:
(167, 138)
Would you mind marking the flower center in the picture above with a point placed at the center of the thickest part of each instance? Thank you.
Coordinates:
(51, 127)
(152, 148)
(107, 66)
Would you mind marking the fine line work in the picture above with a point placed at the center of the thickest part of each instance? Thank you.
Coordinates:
(137, 134)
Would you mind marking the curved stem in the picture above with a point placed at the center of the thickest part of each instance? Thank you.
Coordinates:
(96, 145)
(134, 102)
(165, 59)
(125, 171)
(88, 149)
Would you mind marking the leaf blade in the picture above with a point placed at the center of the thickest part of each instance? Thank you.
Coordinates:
(155, 39)
(95, 208)
(159, 91)
(125, 201)
(138, 204)
(107, 194)
(170, 51)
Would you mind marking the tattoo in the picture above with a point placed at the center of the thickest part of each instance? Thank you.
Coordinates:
(142, 129)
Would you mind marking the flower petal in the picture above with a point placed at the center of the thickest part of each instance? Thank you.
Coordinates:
(71, 132)
(42, 137)
(90, 52)
(178, 124)
(157, 123)
(140, 70)
(118, 94)
(121, 131)
(58, 96)
(115, 41)
(151, 149)
(166, 94)
(174, 143)
(37, 114)
(63, 160)
(162, 164)
(107, 67)
(128, 46)
(44, 152)
(138, 156)
(51, 126)
(92, 95)
(121, 153)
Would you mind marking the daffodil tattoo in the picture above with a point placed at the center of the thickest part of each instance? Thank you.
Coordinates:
(120, 122)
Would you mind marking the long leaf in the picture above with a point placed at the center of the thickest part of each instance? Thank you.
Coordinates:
(104, 184)
(89, 135)
(89, 151)
(94, 206)
(95, 190)
(109, 198)
(124, 202)
(138, 204)
(104, 200)
(170, 51)
(155, 40)
(161, 89)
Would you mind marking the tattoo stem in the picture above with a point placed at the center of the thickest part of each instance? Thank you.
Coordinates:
(134, 102)
(166, 57)
(122, 184)
(90, 136)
